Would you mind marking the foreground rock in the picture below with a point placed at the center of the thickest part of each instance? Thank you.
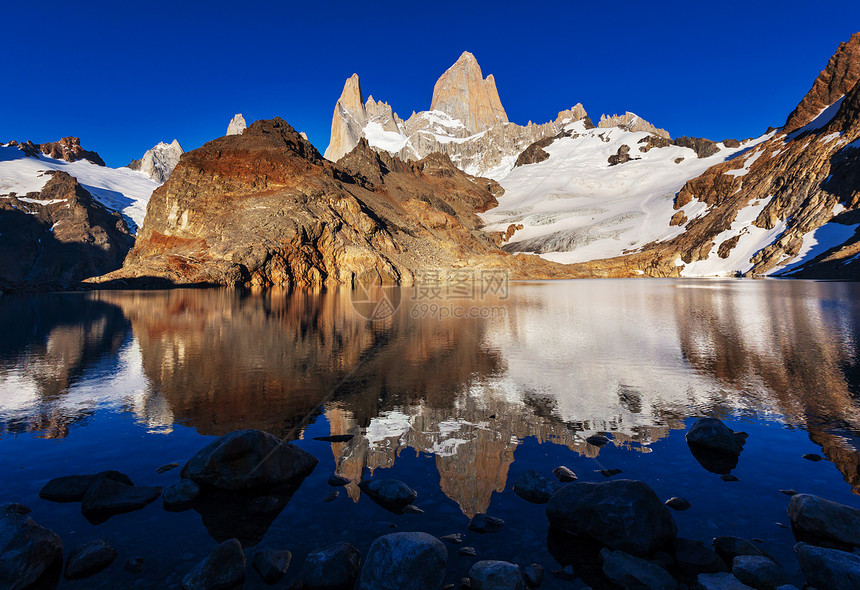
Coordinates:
(712, 434)
(404, 561)
(271, 564)
(484, 523)
(629, 571)
(30, 555)
(759, 571)
(391, 494)
(721, 581)
(246, 459)
(495, 575)
(729, 547)
(695, 557)
(829, 568)
(622, 514)
(564, 474)
(72, 488)
(222, 569)
(89, 559)
(106, 497)
(534, 487)
(181, 494)
(819, 520)
(333, 568)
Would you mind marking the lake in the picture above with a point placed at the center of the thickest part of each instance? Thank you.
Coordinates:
(456, 391)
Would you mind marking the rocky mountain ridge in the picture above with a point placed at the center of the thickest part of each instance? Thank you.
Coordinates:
(159, 161)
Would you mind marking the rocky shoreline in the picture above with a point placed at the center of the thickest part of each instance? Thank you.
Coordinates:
(615, 533)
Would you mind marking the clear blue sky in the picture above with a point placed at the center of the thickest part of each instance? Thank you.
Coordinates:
(125, 75)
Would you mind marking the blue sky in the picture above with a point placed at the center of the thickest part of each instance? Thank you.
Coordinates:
(125, 75)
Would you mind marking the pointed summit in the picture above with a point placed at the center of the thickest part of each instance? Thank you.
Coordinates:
(464, 94)
(237, 125)
(834, 82)
(348, 120)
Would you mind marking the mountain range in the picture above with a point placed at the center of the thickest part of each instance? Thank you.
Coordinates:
(456, 186)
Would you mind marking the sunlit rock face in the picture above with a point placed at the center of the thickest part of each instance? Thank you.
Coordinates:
(633, 362)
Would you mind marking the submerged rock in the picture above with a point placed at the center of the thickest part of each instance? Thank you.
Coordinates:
(712, 434)
(758, 571)
(222, 569)
(180, 494)
(533, 575)
(453, 538)
(404, 561)
(338, 480)
(819, 520)
(563, 474)
(495, 575)
(106, 497)
(467, 551)
(729, 547)
(391, 494)
(814, 457)
(167, 467)
(622, 514)
(89, 559)
(30, 555)
(629, 571)
(271, 564)
(483, 523)
(721, 581)
(598, 440)
(678, 503)
(534, 487)
(246, 459)
(695, 557)
(829, 568)
(333, 568)
(71, 488)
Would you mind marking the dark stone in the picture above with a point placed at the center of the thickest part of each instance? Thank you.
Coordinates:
(621, 156)
(404, 561)
(563, 474)
(454, 538)
(265, 505)
(338, 480)
(467, 551)
(106, 497)
(391, 494)
(829, 568)
(712, 434)
(534, 153)
(695, 557)
(598, 440)
(271, 564)
(731, 143)
(245, 515)
(89, 559)
(495, 575)
(678, 503)
(534, 487)
(333, 568)
(337, 438)
(72, 488)
(483, 523)
(813, 457)
(180, 494)
(622, 514)
(166, 468)
(729, 477)
(629, 571)
(134, 565)
(31, 556)
(412, 509)
(332, 496)
(609, 472)
(758, 571)
(788, 492)
(729, 547)
(246, 459)
(533, 575)
(817, 520)
(222, 569)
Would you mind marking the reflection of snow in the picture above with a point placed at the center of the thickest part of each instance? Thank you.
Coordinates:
(393, 424)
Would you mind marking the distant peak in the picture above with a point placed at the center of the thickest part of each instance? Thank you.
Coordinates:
(463, 94)
(237, 125)
(466, 56)
(352, 98)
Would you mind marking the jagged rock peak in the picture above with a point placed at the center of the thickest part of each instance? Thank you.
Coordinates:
(68, 149)
(237, 125)
(631, 122)
(463, 93)
(159, 161)
(352, 99)
(350, 115)
(834, 82)
(267, 134)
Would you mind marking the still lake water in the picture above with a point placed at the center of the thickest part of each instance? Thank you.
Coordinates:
(458, 407)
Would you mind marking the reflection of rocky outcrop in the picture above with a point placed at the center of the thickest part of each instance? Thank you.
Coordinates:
(49, 342)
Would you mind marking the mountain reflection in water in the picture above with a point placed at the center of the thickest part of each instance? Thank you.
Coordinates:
(565, 360)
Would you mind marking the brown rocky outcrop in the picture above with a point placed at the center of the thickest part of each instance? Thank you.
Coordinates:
(631, 122)
(834, 82)
(534, 153)
(464, 94)
(68, 149)
(58, 237)
(704, 148)
(264, 208)
(621, 156)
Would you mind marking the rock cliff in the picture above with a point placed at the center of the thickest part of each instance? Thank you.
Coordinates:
(237, 125)
(59, 236)
(462, 93)
(264, 208)
(631, 122)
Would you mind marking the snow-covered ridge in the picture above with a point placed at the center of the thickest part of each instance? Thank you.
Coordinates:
(575, 207)
(120, 189)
